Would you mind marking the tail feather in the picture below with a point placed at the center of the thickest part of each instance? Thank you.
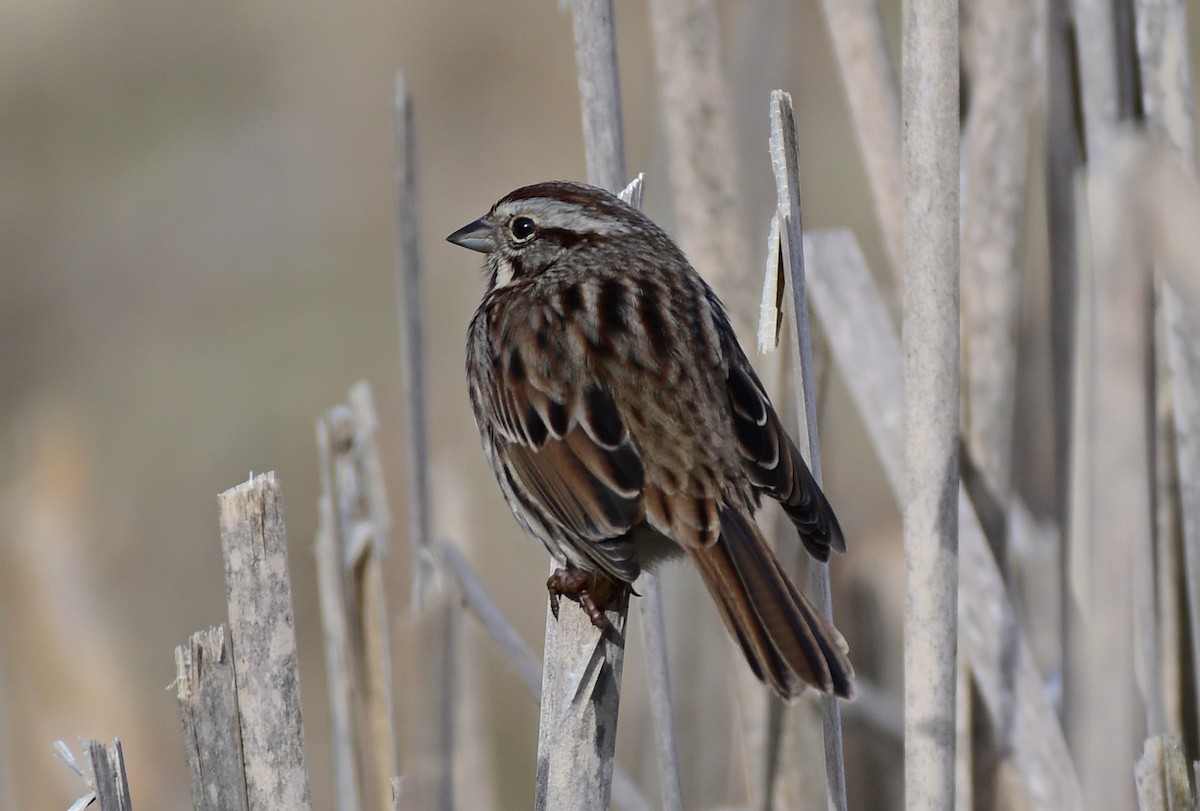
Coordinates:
(786, 641)
(720, 575)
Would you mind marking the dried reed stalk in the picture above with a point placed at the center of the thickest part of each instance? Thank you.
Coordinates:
(931, 398)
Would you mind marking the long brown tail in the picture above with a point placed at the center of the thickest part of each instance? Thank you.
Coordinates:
(786, 641)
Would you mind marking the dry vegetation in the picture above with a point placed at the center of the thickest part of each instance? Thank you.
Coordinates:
(197, 254)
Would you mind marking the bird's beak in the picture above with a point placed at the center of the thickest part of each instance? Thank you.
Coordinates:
(476, 236)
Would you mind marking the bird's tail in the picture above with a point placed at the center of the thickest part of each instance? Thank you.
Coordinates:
(787, 642)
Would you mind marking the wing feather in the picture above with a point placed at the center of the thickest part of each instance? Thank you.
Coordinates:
(775, 466)
(567, 455)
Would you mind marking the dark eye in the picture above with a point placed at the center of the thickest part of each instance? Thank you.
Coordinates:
(522, 228)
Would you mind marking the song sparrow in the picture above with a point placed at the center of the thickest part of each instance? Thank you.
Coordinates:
(626, 426)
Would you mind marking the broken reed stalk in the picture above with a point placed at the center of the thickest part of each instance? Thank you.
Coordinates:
(578, 715)
(625, 794)
(108, 771)
(207, 695)
(581, 676)
(785, 158)
(1161, 776)
(263, 635)
(336, 625)
(353, 524)
(931, 398)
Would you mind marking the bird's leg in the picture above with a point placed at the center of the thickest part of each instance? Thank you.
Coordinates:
(595, 591)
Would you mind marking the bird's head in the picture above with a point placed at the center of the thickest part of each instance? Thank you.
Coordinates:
(528, 230)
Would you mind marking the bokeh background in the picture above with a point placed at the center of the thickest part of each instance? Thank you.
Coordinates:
(196, 259)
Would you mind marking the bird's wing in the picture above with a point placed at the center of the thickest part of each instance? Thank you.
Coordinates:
(775, 467)
(569, 459)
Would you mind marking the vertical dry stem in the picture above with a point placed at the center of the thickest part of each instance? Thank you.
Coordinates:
(994, 153)
(600, 92)
(262, 630)
(1167, 101)
(204, 685)
(429, 758)
(581, 675)
(860, 44)
(701, 162)
(412, 340)
(108, 768)
(931, 391)
(351, 538)
(785, 157)
(703, 172)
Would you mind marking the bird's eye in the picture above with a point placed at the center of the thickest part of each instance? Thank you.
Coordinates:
(522, 228)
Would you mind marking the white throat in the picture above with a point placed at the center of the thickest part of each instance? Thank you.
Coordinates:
(504, 272)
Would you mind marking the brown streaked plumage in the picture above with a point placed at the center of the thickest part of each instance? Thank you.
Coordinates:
(626, 426)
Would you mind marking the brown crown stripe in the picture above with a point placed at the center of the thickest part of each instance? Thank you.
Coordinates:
(597, 200)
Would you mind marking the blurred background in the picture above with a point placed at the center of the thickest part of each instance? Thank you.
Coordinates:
(196, 260)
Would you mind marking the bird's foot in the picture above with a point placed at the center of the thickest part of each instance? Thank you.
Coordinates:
(594, 591)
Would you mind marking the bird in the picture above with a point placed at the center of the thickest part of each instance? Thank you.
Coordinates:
(626, 427)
